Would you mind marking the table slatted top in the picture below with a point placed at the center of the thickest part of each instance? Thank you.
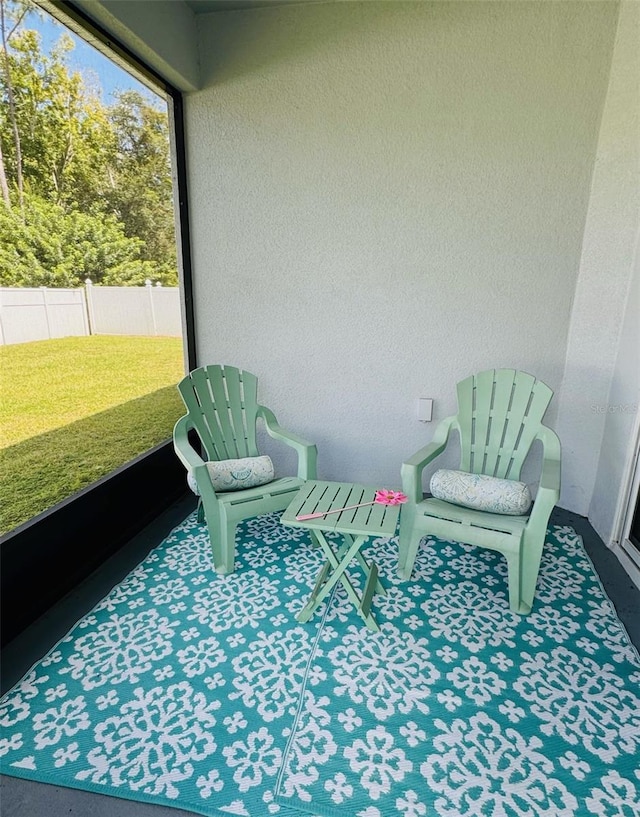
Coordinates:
(315, 496)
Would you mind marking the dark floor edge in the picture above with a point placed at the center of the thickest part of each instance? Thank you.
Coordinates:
(617, 584)
(19, 654)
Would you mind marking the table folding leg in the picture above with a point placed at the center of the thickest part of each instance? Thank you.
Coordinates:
(334, 570)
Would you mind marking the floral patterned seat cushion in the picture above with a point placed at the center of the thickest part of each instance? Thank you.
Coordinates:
(481, 492)
(233, 475)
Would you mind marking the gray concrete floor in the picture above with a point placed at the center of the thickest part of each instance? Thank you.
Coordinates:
(23, 798)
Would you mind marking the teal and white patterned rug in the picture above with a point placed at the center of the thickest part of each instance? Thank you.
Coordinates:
(202, 692)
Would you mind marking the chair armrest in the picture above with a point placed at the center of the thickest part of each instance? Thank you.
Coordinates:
(412, 469)
(187, 454)
(551, 457)
(549, 488)
(192, 461)
(307, 452)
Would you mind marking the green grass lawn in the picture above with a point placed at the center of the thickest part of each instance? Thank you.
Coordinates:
(73, 409)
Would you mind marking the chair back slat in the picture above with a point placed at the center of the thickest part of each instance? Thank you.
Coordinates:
(499, 414)
(219, 379)
(222, 404)
(235, 398)
(465, 389)
(203, 389)
(482, 402)
(531, 421)
(199, 412)
(512, 449)
(250, 407)
(502, 389)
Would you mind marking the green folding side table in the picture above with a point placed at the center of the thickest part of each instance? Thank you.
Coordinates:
(356, 525)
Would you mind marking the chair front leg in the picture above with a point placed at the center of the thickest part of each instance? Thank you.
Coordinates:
(222, 532)
(514, 578)
(408, 541)
(224, 545)
(308, 463)
(532, 547)
(533, 544)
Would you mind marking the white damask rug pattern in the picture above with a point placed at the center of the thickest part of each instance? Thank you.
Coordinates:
(200, 691)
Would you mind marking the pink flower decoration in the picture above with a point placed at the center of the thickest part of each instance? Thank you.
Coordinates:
(386, 497)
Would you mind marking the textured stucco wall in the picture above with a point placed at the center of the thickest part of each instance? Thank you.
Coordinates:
(386, 197)
(597, 350)
(616, 190)
(621, 418)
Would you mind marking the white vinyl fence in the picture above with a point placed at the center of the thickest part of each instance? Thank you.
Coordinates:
(41, 313)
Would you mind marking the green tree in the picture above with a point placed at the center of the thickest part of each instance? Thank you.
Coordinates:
(65, 135)
(141, 196)
(84, 183)
(46, 246)
(11, 15)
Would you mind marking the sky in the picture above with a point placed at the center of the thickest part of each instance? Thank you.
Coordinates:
(94, 66)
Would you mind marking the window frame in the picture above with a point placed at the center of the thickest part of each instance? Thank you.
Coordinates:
(46, 557)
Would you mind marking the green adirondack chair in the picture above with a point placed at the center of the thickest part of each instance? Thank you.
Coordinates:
(499, 417)
(222, 408)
